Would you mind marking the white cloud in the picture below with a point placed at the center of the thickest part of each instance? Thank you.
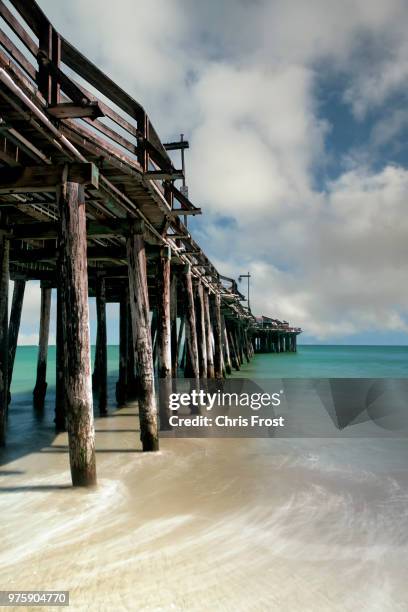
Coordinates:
(240, 79)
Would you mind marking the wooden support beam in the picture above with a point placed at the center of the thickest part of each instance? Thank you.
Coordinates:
(95, 372)
(60, 411)
(14, 327)
(191, 329)
(183, 211)
(75, 319)
(179, 340)
(227, 356)
(173, 323)
(234, 354)
(4, 282)
(174, 146)
(163, 315)
(133, 383)
(41, 380)
(99, 253)
(216, 322)
(164, 336)
(233, 338)
(153, 334)
(142, 344)
(208, 335)
(38, 179)
(163, 175)
(102, 357)
(49, 230)
(183, 200)
(121, 385)
(71, 110)
(201, 330)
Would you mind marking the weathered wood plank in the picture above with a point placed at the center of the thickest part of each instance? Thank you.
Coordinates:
(38, 179)
(71, 110)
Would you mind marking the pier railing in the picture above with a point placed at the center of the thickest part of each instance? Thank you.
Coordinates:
(87, 100)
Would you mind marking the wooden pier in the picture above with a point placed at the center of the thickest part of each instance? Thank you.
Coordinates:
(89, 206)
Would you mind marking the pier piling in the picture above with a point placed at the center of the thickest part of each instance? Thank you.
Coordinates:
(4, 283)
(102, 356)
(192, 369)
(217, 332)
(14, 327)
(40, 388)
(164, 333)
(121, 385)
(75, 320)
(142, 341)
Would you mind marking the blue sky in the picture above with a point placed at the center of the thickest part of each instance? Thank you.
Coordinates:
(296, 113)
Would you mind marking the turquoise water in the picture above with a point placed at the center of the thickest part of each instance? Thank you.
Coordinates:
(335, 361)
(309, 362)
(25, 366)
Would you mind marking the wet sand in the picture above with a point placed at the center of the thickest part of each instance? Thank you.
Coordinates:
(216, 524)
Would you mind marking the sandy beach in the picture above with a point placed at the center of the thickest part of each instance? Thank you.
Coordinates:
(211, 524)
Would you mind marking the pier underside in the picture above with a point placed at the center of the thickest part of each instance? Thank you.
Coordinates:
(89, 206)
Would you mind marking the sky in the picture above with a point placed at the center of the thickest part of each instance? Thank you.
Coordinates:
(297, 118)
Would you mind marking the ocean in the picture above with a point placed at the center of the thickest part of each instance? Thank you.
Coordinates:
(308, 525)
(311, 361)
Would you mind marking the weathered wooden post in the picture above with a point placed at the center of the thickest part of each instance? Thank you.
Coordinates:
(164, 335)
(60, 367)
(153, 332)
(244, 342)
(142, 341)
(173, 322)
(227, 356)
(133, 385)
(237, 344)
(208, 336)
(102, 356)
(40, 388)
(4, 283)
(179, 341)
(191, 329)
(73, 279)
(95, 374)
(121, 385)
(216, 320)
(235, 359)
(201, 331)
(14, 326)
